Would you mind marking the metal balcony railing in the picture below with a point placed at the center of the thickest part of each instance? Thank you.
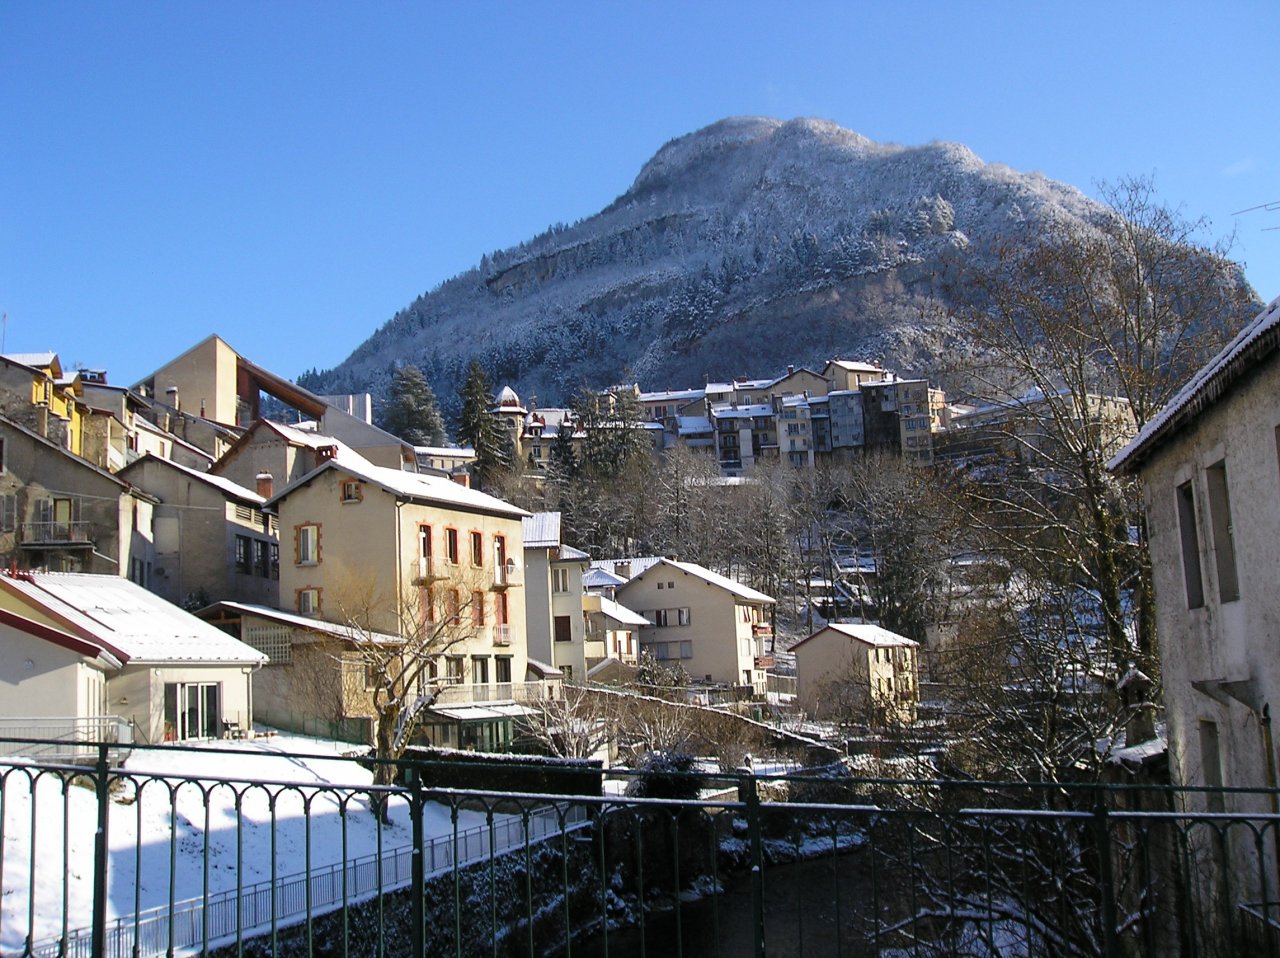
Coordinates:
(502, 635)
(48, 533)
(506, 575)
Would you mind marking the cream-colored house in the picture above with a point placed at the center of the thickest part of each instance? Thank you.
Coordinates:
(859, 672)
(714, 627)
(555, 625)
(83, 647)
(417, 556)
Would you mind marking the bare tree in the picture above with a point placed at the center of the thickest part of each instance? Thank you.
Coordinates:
(579, 724)
(1083, 336)
(398, 652)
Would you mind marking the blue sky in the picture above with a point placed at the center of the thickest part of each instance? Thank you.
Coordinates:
(288, 175)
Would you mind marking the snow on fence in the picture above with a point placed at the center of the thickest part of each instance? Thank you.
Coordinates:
(217, 920)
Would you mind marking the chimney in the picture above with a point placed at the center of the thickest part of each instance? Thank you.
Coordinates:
(265, 484)
(325, 453)
(462, 479)
(790, 370)
(172, 393)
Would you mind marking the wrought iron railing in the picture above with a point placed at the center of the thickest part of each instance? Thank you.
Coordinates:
(652, 862)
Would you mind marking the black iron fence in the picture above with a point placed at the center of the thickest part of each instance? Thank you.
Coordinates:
(100, 860)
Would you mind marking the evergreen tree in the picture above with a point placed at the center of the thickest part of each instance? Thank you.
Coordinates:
(478, 429)
(411, 411)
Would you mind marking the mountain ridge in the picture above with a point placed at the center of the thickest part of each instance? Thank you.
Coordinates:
(740, 248)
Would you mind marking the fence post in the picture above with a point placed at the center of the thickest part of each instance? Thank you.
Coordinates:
(99, 945)
(1106, 880)
(417, 877)
(748, 794)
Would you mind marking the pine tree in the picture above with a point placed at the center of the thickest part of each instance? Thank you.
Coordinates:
(411, 411)
(478, 429)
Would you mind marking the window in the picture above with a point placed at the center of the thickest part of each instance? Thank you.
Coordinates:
(275, 560)
(451, 604)
(244, 555)
(453, 669)
(351, 491)
(477, 608)
(262, 558)
(477, 549)
(8, 513)
(502, 669)
(500, 608)
(662, 585)
(1191, 574)
(307, 542)
(671, 585)
(480, 671)
(1224, 552)
(683, 617)
(451, 545)
(500, 551)
(1211, 764)
(308, 601)
(424, 542)
(660, 617)
(686, 649)
(560, 580)
(568, 672)
(564, 628)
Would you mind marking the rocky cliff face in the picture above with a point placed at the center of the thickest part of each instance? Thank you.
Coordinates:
(739, 249)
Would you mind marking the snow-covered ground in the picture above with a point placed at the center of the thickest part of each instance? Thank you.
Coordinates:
(173, 806)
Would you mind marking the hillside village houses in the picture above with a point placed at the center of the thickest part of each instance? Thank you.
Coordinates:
(315, 541)
(802, 417)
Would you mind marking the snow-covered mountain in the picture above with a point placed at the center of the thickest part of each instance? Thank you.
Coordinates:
(741, 248)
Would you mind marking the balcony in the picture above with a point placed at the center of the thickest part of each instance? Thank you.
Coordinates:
(502, 635)
(40, 534)
(764, 662)
(506, 575)
(762, 629)
(428, 569)
(467, 694)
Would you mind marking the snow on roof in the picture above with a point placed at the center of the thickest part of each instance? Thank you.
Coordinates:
(508, 401)
(228, 488)
(742, 412)
(307, 623)
(409, 485)
(863, 632)
(34, 360)
(1253, 343)
(855, 367)
(711, 578)
(570, 554)
(620, 613)
(635, 564)
(459, 452)
(600, 579)
(541, 530)
(690, 425)
(132, 623)
(668, 395)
